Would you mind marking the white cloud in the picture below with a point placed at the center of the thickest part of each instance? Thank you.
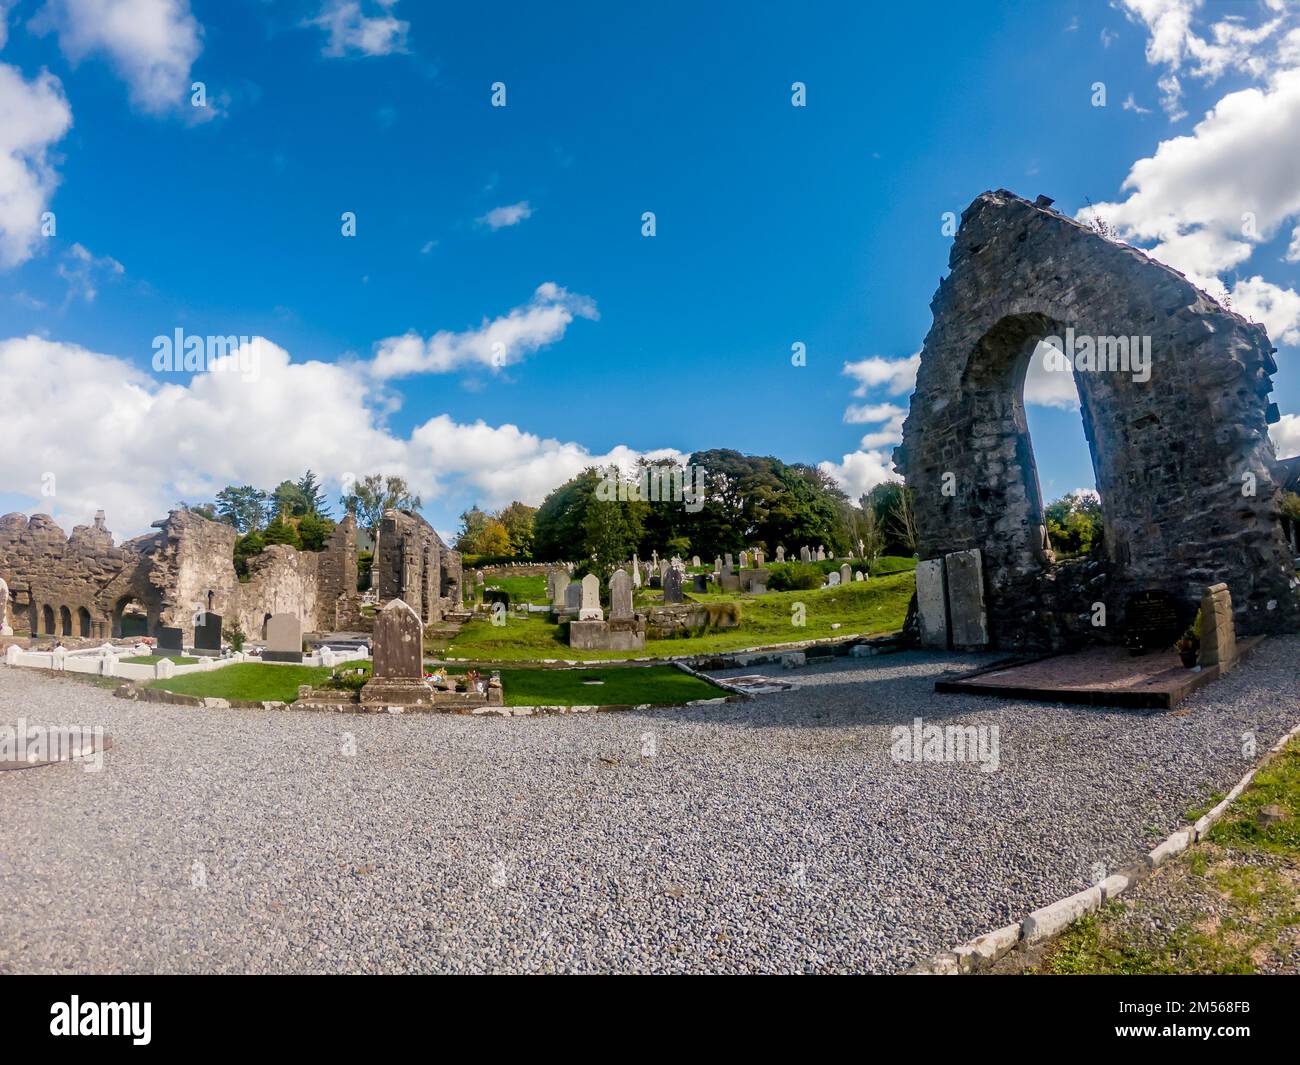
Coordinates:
(871, 412)
(500, 217)
(1131, 104)
(189, 438)
(496, 343)
(895, 375)
(1286, 436)
(151, 44)
(860, 471)
(82, 269)
(1045, 387)
(350, 32)
(1276, 307)
(33, 116)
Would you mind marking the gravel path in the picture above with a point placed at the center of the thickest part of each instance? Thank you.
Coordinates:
(774, 835)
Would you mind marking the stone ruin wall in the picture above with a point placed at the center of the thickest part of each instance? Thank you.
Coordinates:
(1169, 454)
(187, 565)
(413, 564)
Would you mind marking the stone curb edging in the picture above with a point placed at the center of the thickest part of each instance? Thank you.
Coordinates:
(160, 695)
(1049, 921)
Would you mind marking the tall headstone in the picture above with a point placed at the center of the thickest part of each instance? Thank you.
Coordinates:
(805, 553)
(573, 596)
(759, 559)
(717, 564)
(821, 554)
(590, 609)
(207, 633)
(695, 561)
(663, 568)
(967, 617)
(5, 628)
(636, 573)
(283, 639)
(620, 595)
(398, 650)
(728, 562)
(846, 573)
(744, 560)
(932, 603)
(673, 585)
(780, 554)
(1218, 634)
(558, 594)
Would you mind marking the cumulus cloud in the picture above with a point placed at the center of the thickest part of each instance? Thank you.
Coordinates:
(151, 44)
(896, 376)
(1047, 387)
(187, 437)
(511, 215)
(34, 115)
(1286, 436)
(351, 32)
(860, 471)
(496, 343)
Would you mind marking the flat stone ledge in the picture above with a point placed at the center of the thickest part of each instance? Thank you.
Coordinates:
(1047, 922)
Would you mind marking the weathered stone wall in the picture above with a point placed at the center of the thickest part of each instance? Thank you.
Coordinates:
(80, 585)
(1171, 454)
(280, 581)
(414, 565)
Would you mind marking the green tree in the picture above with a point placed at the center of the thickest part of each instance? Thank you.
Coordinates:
(375, 494)
(473, 523)
(314, 530)
(244, 507)
(288, 500)
(281, 531)
(248, 545)
(574, 524)
(313, 492)
(1074, 524)
(518, 520)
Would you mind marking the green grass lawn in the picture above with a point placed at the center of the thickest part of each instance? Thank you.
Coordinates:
(619, 685)
(153, 660)
(862, 608)
(1229, 905)
(525, 588)
(256, 682)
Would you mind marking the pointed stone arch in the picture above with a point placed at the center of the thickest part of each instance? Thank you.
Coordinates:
(1175, 455)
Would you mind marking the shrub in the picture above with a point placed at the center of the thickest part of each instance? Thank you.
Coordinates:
(795, 576)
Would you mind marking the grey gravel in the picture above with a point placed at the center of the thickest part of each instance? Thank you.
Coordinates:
(770, 835)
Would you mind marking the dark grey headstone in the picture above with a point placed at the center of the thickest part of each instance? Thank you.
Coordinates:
(171, 640)
(207, 633)
(673, 585)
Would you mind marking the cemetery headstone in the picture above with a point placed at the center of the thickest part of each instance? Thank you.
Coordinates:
(744, 560)
(673, 585)
(932, 603)
(559, 592)
(573, 596)
(846, 573)
(590, 609)
(283, 639)
(171, 640)
(620, 595)
(832, 579)
(695, 561)
(398, 651)
(207, 634)
(967, 617)
(701, 582)
(780, 554)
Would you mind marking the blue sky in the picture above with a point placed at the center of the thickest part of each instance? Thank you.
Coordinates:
(775, 225)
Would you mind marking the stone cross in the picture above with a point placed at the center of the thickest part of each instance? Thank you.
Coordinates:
(620, 595)
(590, 609)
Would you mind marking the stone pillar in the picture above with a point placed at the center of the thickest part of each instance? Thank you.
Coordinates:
(932, 604)
(1218, 635)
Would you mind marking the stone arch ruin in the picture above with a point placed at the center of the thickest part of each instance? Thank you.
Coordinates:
(1189, 483)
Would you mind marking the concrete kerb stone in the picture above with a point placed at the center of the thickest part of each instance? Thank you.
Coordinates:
(979, 953)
